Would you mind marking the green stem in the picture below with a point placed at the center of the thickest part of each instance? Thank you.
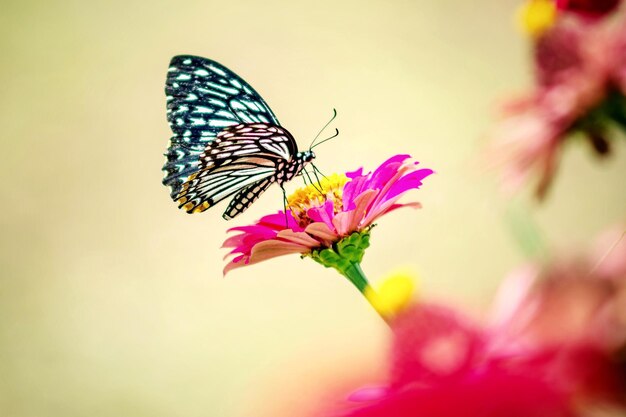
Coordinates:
(345, 257)
(525, 231)
(356, 276)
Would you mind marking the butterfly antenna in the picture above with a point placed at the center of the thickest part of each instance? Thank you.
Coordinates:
(321, 130)
(326, 140)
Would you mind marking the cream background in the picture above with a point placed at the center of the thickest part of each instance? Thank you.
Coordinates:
(112, 301)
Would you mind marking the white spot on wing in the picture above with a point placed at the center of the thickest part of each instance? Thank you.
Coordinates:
(197, 122)
(220, 123)
(217, 102)
(236, 104)
(225, 89)
(217, 70)
(203, 109)
(224, 113)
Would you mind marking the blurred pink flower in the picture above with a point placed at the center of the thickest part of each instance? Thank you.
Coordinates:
(322, 215)
(588, 8)
(581, 72)
(572, 315)
(554, 348)
(441, 367)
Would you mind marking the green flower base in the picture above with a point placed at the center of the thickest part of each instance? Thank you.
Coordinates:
(345, 256)
(596, 123)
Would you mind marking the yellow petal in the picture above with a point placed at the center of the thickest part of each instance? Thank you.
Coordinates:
(394, 294)
(536, 16)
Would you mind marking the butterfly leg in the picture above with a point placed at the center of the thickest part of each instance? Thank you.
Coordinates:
(285, 206)
(306, 184)
(311, 181)
(316, 170)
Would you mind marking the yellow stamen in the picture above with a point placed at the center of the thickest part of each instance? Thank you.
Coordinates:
(329, 188)
(536, 16)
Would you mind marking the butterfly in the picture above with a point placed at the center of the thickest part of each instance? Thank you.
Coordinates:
(226, 140)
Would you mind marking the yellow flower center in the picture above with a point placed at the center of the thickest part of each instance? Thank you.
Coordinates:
(315, 195)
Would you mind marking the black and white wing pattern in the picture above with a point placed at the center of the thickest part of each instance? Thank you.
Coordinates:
(244, 159)
(203, 98)
(226, 139)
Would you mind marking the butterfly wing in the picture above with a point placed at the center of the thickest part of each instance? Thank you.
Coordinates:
(245, 158)
(203, 98)
(245, 198)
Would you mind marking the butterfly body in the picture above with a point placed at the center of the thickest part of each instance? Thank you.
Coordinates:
(226, 139)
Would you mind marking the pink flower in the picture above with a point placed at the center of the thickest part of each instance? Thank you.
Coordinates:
(579, 293)
(324, 214)
(554, 348)
(588, 8)
(581, 73)
(441, 366)
(570, 316)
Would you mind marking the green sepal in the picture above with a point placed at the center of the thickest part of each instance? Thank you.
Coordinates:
(345, 256)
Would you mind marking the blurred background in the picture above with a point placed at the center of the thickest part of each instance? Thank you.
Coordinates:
(112, 301)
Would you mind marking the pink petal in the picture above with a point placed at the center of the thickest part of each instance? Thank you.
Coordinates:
(433, 343)
(322, 232)
(393, 207)
(368, 394)
(386, 207)
(272, 248)
(300, 238)
(408, 182)
(386, 171)
(277, 221)
(349, 221)
(258, 232)
(351, 190)
(389, 182)
(235, 263)
(342, 222)
(355, 173)
(323, 214)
